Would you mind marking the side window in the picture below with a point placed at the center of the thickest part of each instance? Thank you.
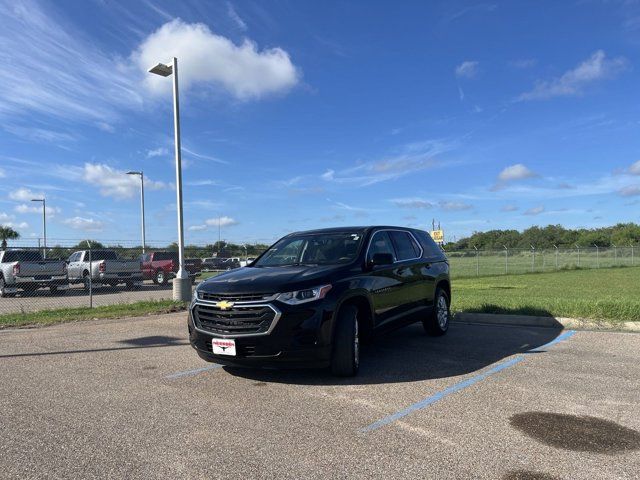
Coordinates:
(431, 248)
(406, 246)
(74, 257)
(380, 243)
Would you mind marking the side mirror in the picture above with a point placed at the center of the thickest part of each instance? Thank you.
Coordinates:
(381, 259)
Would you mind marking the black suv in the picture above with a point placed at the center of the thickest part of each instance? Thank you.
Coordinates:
(311, 297)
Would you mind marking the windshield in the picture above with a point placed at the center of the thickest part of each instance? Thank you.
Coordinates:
(313, 249)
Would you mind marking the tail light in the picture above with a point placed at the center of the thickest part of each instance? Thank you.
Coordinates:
(102, 267)
(16, 269)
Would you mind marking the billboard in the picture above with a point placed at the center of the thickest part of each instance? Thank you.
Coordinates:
(438, 236)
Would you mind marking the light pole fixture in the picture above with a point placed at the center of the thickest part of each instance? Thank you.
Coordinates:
(181, 284)
(44, 224)
(141, 175)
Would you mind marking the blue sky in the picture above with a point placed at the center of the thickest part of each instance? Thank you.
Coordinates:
(299, 115)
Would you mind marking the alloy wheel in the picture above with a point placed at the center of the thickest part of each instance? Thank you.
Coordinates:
(442, 312)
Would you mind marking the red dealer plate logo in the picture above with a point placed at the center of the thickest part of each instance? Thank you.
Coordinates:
(223, 347)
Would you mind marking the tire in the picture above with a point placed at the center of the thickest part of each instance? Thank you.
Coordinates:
(160, 277)
(86, 281)
(55, 291)
(3, 292)
(437, 323)
(129, 285)
(345, 355)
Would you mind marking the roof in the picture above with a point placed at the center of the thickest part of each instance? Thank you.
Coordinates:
(360, 229)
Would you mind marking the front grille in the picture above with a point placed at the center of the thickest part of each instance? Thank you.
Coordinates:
(234, 321)
(235, 297)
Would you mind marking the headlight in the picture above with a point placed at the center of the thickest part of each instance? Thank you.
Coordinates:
(304, 296)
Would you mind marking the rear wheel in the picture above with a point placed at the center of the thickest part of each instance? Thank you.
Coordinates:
(345, 355)
(160, 277)
(3, 289)
(437, 323)
(86, 281)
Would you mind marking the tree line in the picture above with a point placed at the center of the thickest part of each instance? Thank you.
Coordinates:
(622, 234)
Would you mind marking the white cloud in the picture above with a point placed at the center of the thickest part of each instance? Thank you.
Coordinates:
(630, 191)
(595, 68)
(86, 224)
(634, 169)
(106, 127)
(454, 206)
(535, 210)
(25, 208)
(524, 63)
(24, 195)
(516, 172)
(203, 156)
(19, 226)
(235, 17)
(116, 183)
(328, 175)
(92, 85)
(2, 173)
(413, 202)
(467, 69)
(509, 208)
(222, 221)
(214, 222)
(157, 152)
(205, 57)
(5, 217)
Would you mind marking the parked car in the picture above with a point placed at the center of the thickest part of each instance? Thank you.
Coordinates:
(311, 297)
(161, 266)
(105, 268)
(27, 270)
(212, 263)
(230, 263)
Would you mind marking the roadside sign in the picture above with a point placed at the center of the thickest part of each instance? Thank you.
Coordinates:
(438, 236)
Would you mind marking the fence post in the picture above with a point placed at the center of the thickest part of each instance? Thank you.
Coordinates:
(556, 247)
(578, 255)
(90, 280)
(632, 254)
(597, 256)
(506, 260)
(477, 262)
(533, 258)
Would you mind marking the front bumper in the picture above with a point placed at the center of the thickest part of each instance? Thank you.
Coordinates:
(299, 336)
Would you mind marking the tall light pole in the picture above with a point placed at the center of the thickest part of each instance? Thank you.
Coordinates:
(141, 175)
(181, 284)
(44, 223)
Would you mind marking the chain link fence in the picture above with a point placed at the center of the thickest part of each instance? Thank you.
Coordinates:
(58, 277)
(480, 263)
(34, 279)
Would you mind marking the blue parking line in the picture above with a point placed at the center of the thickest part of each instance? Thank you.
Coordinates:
(460, 386)
(189, 373)
(558, 339)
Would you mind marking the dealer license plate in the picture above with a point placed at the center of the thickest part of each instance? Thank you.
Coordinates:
(223, 347)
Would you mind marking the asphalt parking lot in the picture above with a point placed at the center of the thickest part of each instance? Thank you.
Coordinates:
(130, 399)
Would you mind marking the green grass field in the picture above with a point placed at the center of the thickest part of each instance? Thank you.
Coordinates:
(601, 294)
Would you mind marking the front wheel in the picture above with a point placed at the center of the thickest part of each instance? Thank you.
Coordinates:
(161, 277)
(345, 355)
(437, 323)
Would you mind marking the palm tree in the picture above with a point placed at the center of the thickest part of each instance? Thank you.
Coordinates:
(7, 233)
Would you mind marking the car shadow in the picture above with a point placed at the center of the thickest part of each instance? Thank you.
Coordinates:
(409, 355)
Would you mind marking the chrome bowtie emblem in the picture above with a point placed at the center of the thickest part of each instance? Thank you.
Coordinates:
(224, 305)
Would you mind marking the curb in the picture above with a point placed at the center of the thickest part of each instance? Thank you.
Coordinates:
(547, 322)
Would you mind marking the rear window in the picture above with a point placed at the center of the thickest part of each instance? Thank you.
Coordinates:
(406, 247)
(103, 255)
(22, 256)
(165, 256)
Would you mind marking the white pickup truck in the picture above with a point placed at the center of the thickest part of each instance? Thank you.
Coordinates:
(103, 268)
(26, 270)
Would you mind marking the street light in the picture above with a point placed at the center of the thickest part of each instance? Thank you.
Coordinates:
(141, 175)
(44, 223)
(181, 284)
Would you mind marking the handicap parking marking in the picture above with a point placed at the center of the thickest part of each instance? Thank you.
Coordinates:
(461, 386)
(195, 371)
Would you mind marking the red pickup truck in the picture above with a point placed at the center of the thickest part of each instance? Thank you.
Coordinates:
(161, 266)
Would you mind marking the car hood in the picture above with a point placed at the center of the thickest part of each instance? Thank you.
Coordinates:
(269, 279)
